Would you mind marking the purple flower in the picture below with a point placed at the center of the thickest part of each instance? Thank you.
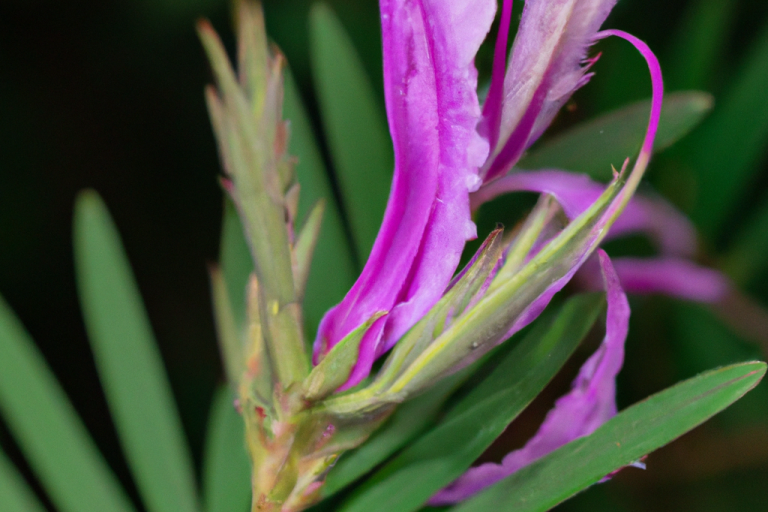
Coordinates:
(590, 403)
(548, 63)
(450, 157)
(430, 86)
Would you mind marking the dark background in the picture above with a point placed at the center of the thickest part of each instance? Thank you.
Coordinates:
(108, 94)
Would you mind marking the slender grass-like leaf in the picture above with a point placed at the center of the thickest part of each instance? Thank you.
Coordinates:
(48, 430)
(354, 127)
(129, 364)
(703, 340)
(332, 271)
(630, 435)
(226, 469)
(235, 262)
(15, 494)
(443, 454)
(700, 43)
(594, 146)
(725, 152)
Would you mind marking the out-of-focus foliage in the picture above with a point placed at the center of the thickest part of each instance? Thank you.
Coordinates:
(109, 95)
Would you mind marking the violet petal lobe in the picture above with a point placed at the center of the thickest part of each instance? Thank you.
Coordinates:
(669, 229)
(590, 403)
(548, 63)
(670, 276)
(621, 202)
(430, 90)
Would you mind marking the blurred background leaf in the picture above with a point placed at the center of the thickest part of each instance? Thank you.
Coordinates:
(130, 367)
(226, 468)
(15, 494)
(54, 441)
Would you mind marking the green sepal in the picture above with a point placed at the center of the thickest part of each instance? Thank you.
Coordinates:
(484, 325)
(336, 366)
(521, 246)
(449, 307)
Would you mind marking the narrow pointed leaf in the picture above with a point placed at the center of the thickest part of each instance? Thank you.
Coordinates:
(594, 146)
(306, 241)
(15, 494)
(228, 331)
(625, 438)
(235, 262)
(451, 305)
(51, 435)
(226, 468)
(250, 155)
(442, 455)
(354, 127)
(129, 363)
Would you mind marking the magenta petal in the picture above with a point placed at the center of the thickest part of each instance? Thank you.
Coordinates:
(668, 276)
(590, 403)
(669, 229)
(491, 122)
(547, 64)
(430, 87)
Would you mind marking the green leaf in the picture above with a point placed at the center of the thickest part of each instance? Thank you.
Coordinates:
(702, 340)
(594, 146)
(484, 325)
(725, 152)
(336, 366)
(700, 42)
(226, 467)
(227, 329)
(48, 430)
(304, 248)
(129, 363)
(450, 306)
(443, 454)
(630, 435)
(332, 272)
(15, 494)
(745, 258)
(354, 127)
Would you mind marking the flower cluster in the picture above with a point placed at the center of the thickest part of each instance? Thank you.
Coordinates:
(451, 156)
